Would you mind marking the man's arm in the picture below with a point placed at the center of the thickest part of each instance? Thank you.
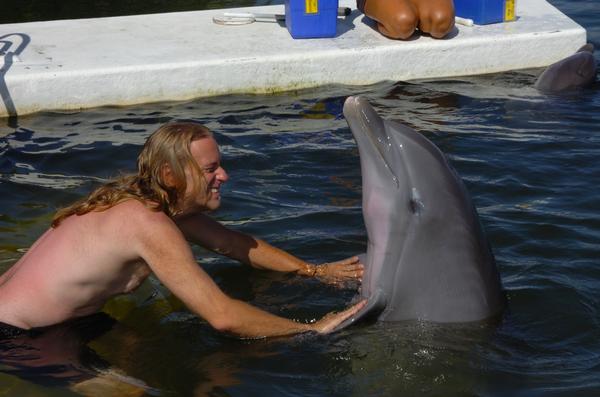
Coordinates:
(161, 244)
(205, 231)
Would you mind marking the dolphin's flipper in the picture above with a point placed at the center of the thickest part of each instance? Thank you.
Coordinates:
(577, 71)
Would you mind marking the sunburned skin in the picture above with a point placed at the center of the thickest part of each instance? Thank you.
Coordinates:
(74, 268)
(66, 282)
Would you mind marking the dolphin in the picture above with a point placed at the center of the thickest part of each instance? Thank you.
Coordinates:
(427, 256)
(576, 71)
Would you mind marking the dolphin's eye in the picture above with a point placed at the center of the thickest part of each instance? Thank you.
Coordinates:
(415, 203)
(415, 206)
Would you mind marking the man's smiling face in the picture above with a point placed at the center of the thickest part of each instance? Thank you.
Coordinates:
(205, 152)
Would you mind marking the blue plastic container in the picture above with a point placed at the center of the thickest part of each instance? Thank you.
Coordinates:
(484, 12)
(309, 19)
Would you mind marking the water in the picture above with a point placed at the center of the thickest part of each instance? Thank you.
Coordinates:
(43, 10)
(529, 161)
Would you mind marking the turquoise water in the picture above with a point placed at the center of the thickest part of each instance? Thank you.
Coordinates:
(530, 162)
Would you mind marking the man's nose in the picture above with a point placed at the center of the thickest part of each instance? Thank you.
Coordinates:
(222, 174)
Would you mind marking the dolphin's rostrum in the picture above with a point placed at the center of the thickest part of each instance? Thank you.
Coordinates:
(574, 72)
(427, 257)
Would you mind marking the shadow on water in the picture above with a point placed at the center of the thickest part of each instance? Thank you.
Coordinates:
(10, 51)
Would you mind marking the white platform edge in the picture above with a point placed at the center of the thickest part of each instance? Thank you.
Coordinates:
(75, 64)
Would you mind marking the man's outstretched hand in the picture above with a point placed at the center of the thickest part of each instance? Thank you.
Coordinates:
(330, 321)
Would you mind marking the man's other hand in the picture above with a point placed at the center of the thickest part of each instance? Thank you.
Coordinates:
(349, 269)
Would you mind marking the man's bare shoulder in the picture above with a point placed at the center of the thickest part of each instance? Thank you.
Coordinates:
(140, 228)
(134, 212)
(144, 223)
(130, 219)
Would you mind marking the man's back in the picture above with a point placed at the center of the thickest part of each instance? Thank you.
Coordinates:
(74, 268)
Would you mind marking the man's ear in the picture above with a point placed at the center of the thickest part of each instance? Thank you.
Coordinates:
(167, 175)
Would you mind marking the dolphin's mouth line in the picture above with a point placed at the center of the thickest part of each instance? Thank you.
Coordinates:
(377, 293)
(378, 145)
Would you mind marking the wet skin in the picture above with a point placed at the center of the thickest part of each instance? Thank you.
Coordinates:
(73, 269)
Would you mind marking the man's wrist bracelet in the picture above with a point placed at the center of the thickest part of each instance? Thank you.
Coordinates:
(318, 270)
(311, 270)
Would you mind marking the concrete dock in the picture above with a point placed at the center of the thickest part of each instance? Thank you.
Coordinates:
(75, 64)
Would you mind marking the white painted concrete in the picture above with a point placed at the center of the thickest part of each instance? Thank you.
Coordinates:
(86, 63)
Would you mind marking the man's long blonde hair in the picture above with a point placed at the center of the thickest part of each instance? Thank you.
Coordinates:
(168, 146)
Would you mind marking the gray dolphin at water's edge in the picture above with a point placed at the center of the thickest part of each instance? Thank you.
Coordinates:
(576, 71)
(427, 257)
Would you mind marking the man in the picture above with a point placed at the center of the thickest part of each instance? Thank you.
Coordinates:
(398, 19)
(110, 242)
